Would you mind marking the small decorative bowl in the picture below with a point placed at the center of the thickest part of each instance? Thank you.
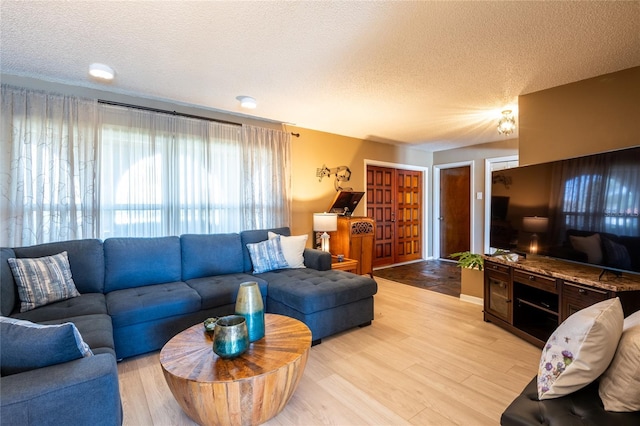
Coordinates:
(210, 325)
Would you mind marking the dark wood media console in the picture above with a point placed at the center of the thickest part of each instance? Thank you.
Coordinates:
(531, 297)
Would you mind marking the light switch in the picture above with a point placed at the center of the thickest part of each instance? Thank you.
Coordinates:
(478, 195)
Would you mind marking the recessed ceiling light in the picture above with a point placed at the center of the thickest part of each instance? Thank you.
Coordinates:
(101, 71)
(247, 102)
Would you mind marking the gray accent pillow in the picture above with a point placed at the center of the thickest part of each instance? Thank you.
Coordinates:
(43, 280)
(26, 346)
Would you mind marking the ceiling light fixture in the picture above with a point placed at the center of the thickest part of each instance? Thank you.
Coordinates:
(247, 102)
(507, 123)
(101, 71)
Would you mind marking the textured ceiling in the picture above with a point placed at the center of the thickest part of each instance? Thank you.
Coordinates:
(435, 74)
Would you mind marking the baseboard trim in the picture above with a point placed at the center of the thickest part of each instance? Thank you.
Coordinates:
(472, 299)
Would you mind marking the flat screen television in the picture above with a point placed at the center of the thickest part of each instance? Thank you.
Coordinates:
(585, 210)
(345, 202)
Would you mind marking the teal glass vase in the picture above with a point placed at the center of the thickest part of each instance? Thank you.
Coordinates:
(249, 305)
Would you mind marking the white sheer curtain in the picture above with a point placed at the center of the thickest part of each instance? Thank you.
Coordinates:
(266, 182)
(48, 175)
(168, 175)
(77, 169)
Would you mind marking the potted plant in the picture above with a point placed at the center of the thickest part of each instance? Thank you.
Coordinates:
(469, 260)
(471, 277)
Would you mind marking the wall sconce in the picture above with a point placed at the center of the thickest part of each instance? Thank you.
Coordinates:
(324, 222)
(535, 225)
(507, 123)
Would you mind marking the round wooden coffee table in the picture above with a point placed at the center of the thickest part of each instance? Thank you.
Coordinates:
(247, 390)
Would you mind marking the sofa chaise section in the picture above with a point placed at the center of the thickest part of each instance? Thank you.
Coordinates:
(327, 301)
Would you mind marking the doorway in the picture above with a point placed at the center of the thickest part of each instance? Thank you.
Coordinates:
(395, 202)
(491, 164)
(454, 215)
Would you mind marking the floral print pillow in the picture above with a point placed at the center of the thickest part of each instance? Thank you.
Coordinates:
(580, 349)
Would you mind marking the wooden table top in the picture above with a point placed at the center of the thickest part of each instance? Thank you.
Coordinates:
(190, 355)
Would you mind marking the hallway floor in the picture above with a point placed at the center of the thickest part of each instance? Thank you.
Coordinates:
(435, 275)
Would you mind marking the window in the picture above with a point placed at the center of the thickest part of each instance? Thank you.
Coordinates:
(79, 169)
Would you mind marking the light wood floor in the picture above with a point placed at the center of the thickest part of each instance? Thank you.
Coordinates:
(427, 359)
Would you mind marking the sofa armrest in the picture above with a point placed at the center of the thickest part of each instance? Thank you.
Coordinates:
(583, 407)
(80, 392)
(317, 259)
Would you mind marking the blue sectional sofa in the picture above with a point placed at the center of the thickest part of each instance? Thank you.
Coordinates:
(137, 293)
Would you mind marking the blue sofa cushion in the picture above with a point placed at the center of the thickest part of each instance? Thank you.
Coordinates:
(26, 346)
(207, 255)
(256, 236)
(43, 280)
(267, 256)
(222, 290)
(8, 288)
(96, 330)
(137, 262)
(86, 259)
(85, 304)
(308, 291)
(80, 392)
(148, 303)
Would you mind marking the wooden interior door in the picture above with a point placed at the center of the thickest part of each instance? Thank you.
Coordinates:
(380, 207)
(455, 210)
(394, 201)
(408, 216)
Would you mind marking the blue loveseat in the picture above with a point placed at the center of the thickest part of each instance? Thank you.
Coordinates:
(137, 293)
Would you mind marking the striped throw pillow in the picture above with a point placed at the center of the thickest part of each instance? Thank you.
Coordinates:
(43, 280)
(267, 256)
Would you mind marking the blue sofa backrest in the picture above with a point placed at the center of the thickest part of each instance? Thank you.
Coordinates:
(207, 255)
(86, 260)
(138, 262)
(255, 236)
(8, 290)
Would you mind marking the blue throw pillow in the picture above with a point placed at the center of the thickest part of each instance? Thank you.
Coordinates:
(26, 346)
(267, 256)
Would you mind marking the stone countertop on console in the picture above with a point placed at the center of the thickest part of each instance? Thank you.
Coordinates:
(577, 273)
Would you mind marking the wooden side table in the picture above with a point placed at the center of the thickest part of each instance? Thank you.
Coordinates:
(247, 390)
(347, 265)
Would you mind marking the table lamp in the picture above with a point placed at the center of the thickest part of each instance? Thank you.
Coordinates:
(325, 222)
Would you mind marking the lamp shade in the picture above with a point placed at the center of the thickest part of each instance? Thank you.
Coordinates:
(325, 222)
(535, 224)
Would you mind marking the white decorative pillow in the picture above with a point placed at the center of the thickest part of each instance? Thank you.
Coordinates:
(588, 245)
(580, 349)
(620, 384)
(267, 256)
(292, 248)
(43, 280)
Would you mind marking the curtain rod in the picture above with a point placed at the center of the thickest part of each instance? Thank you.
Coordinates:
(176, 113)
(163, 111)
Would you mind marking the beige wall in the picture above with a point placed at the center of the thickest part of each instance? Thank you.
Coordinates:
(586, 117)
(314, 149)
